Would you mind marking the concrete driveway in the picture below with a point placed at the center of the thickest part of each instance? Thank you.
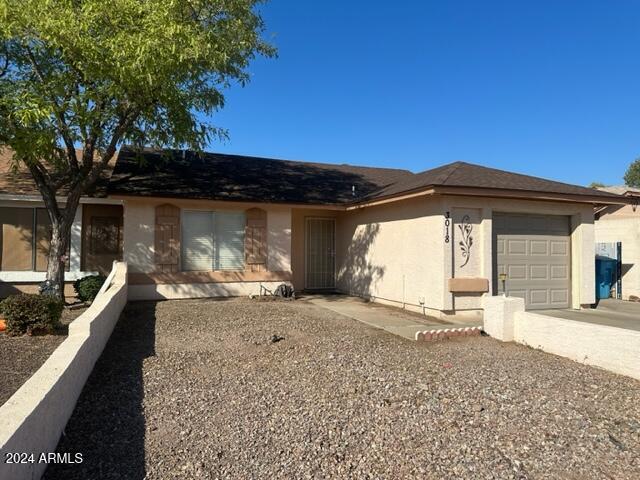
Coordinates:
(614, 313)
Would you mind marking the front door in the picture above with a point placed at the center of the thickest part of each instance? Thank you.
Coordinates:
(320, 253)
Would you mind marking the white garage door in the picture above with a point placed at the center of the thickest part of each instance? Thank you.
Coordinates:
(535, 253)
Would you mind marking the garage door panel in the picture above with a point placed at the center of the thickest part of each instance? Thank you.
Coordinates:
(559, 272)
(539, 247)
(516, 246)
(535, 255)
(539, 272)
(559, 297)
(516, 272)
(538, 297)
(560, 247)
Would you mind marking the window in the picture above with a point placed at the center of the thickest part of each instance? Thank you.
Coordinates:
(212, 241)
(105, 235)
(20, 248)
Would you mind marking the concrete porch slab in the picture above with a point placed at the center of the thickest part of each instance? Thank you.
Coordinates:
(393, 320)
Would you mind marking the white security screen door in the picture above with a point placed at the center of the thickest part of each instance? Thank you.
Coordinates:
(320, 253)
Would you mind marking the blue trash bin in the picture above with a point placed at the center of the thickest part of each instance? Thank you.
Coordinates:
(605, 276)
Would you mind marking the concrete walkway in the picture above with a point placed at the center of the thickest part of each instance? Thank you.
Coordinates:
(611, 312)
(393, 320)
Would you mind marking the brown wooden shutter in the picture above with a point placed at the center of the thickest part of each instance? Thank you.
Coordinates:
(255, 240)
(167, 242)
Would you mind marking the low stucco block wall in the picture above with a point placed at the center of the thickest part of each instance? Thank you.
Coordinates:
(499, 316)
(614, 349)
(33, 419)
(199, 290)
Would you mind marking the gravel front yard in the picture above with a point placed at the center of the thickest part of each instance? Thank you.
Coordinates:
(20, 357)
(198, 389)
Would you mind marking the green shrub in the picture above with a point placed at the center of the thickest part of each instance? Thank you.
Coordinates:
(88, 287)
(29, 313)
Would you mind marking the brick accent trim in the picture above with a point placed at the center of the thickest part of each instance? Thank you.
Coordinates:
(441, 334)
(207, 277)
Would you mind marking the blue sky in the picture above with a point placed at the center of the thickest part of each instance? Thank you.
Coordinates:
(548, 88)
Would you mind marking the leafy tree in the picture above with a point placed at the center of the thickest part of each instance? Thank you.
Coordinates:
(92, 74)
(632, 176)
(596, 185)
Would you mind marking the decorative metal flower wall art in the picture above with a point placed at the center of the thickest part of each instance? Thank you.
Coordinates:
(467, 240)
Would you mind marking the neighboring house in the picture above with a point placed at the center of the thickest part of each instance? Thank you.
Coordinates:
(432, 242)
(621, 223)
(96, 235)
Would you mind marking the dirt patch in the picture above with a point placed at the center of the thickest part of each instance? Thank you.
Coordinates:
(200, 389)
(20, 357)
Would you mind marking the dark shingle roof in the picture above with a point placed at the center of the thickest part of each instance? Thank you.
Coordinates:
(215, 176)
(469, 175)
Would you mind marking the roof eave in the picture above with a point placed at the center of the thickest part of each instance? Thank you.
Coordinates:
(600, 200)
(248, 203)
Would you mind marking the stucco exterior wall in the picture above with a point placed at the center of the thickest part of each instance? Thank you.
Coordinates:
(398, 253)
(174, 291)
(393, 253)
(622, 224)
(139, 222)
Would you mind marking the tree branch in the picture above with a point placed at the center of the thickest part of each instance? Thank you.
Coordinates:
(65, 133)
(48, 194)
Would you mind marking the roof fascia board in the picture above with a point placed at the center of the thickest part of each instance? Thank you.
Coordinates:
(532, 195)
(14, 197)
(395, 198)
(313, 206)
(494, 192)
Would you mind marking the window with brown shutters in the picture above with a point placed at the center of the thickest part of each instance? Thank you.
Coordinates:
(255, 244)
(167, 237)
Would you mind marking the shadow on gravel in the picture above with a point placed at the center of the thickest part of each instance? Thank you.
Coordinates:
(107, 426)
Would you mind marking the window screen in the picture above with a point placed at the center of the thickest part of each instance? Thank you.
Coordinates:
(229, 239)
(197, 241)
(212, 241)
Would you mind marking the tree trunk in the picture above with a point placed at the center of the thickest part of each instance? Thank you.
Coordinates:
(61, 222)
(60, 232)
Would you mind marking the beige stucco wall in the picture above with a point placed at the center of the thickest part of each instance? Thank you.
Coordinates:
(139, 221)
(622, 224)
(168, 291)
(397, 252)
(393, 253)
